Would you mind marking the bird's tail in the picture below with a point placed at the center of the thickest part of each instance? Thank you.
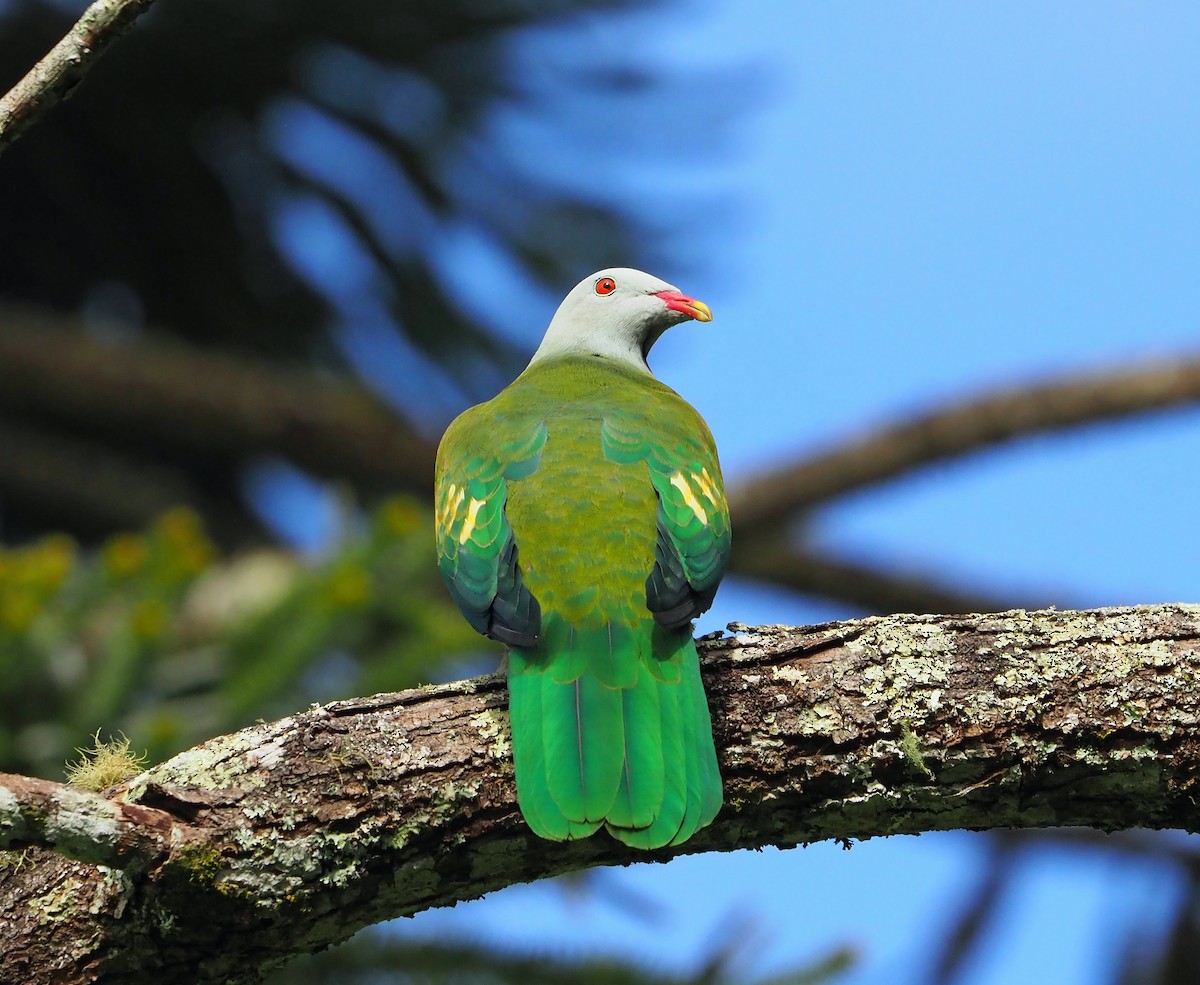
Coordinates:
(611, 727)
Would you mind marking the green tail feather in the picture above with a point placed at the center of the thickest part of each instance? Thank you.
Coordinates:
(541, 811)
(638, 758)
(670, 812)
(693, 794)
(583, 734)
(711, 793)
(640, 795)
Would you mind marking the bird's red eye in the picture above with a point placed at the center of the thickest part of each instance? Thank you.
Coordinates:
(605, 285)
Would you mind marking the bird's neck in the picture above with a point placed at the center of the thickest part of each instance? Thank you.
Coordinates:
(620, 342)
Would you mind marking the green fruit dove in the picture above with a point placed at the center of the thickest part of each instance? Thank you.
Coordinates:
(581, 521)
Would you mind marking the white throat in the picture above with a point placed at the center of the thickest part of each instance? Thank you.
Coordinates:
(572, 335)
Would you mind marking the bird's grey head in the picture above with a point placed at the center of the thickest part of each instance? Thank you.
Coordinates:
(618, 313)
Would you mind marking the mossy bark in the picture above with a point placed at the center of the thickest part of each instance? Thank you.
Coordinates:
(291, 835)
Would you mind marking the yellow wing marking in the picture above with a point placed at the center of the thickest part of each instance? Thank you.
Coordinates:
(449, 514)
(468, 526)
(680, 482)
(447, 511)
(709, 489)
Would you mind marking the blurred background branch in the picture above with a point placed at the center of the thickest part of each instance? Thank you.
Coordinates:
(867, 587)
(961, 428)
(171, 410)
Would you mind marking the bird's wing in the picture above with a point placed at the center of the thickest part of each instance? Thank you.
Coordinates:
(693, 544)
(477, 555)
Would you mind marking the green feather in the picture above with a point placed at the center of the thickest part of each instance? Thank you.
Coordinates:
(668, 649)
(711, 793)
(673, 804)
(697, 731)
(541, 811)
(582, 732)
(642, 788)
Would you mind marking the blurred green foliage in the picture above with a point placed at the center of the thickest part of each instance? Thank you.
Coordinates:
(152, 635)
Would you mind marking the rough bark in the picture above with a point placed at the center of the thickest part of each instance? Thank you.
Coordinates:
(223, 862)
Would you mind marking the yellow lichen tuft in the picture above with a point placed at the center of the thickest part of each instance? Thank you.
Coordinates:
(910, 746)
(104, 764)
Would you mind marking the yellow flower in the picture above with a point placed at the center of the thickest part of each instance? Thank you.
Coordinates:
(181, 532)
(125, 554)
(55, 558)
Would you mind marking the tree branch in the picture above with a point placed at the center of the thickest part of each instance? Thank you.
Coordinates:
(85, 826)
(952, 430)
(53, 79)
(291, 835)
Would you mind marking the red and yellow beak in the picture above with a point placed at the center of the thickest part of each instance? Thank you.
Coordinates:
(689, 306)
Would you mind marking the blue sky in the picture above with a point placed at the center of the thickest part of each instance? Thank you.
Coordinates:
(951, 197)
(914, 202)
